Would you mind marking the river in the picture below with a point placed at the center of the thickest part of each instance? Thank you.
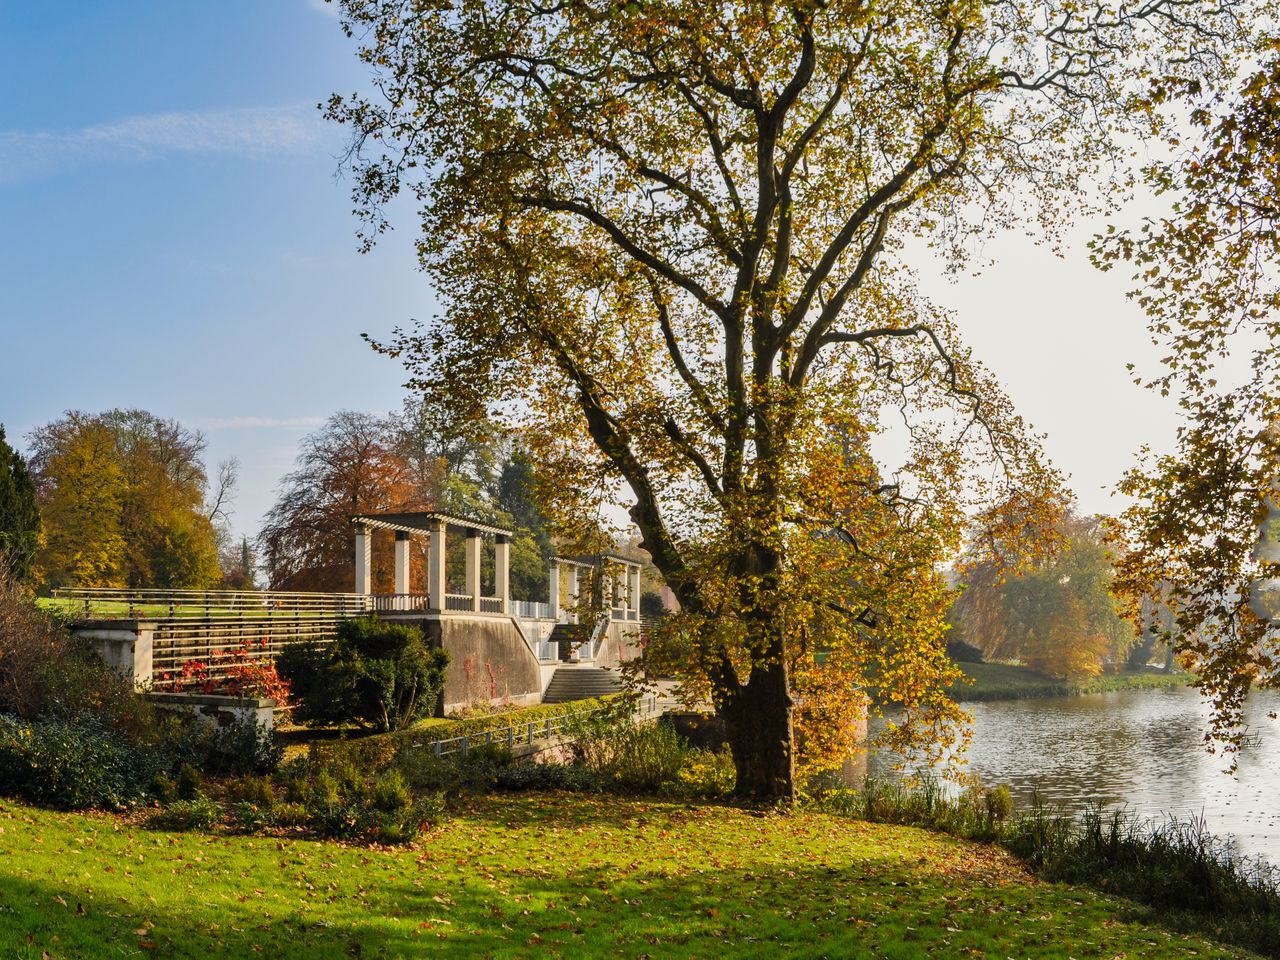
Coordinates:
(1141, 750)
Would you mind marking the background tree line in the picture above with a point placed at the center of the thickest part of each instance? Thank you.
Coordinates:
(124, 499)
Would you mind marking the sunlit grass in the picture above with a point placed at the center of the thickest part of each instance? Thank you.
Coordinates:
(562, 875)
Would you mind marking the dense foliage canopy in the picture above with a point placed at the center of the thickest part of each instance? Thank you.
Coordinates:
(122, 498)
(673, 242)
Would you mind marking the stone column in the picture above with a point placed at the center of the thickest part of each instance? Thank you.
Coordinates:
(364, 566)
(436, 581)
(553, 589)
(402, 565)
(634, 579)
(473, 567)
(502, 571)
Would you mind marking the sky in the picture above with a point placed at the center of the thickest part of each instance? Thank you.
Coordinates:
(174, 236)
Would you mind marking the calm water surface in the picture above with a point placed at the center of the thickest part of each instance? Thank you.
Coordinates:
(1137, 749)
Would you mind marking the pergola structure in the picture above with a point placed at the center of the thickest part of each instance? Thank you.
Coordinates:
(437, 527)
(619, 587)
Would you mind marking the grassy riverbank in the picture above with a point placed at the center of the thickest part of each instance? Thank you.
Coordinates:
(563, 875)
(1002, 681)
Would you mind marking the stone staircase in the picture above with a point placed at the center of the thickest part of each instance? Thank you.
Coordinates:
(581, 683)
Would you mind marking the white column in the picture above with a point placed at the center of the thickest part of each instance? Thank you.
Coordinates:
(553, 589)
(436, 581)
(364, 568)
(402, 563)
(473, 567)
(575, 591)
(635, 592)
(502, 571)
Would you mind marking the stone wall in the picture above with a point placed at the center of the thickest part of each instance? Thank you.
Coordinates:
(489, 660)
(221, 711)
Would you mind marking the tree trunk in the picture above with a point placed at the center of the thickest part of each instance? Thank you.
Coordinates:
(761, 736)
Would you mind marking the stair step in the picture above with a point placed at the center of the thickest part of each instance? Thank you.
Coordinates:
(580, 683)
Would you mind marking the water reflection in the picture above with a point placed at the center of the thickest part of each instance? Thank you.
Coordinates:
(1139, 749)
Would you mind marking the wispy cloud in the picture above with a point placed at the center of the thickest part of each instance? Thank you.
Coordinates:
(250, 131)
(256, 423)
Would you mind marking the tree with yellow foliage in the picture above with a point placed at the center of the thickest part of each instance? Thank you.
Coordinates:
(673, 241)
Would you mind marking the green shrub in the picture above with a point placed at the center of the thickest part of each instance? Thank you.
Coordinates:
(379, 751)
(624, 753)
(476, 770)
(547, 776)
(704, 773)
(188, 784)
(251, 817)
(378, 674)
(198, 814)
(254, 790)
(73, 764)
(391, 794)
(241, 747)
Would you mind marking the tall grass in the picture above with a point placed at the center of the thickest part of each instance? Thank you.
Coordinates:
(1187, 877)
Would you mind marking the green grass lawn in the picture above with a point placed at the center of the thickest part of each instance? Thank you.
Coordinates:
(1003, 681)
(559, 875)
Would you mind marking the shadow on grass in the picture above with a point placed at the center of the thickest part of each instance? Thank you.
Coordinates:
(451, 907)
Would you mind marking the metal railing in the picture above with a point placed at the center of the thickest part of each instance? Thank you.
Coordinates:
(154, 603)
(208, 649)
(529, 733)
(389, 602)
(531, 610)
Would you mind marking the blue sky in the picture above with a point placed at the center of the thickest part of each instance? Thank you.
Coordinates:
(172, 237)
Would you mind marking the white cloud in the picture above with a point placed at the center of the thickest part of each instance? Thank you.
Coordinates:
(250, 131)
(256, 423)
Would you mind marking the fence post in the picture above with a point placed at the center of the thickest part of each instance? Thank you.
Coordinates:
(530, 733)
(435, 748)
(548, 734)
(488, 738)
(511, 738)
(466, 742)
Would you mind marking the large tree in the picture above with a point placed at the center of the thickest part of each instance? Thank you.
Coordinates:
(673, 242)
(351, 465)
(1202, 531)
(122, 497)
(19, 513)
